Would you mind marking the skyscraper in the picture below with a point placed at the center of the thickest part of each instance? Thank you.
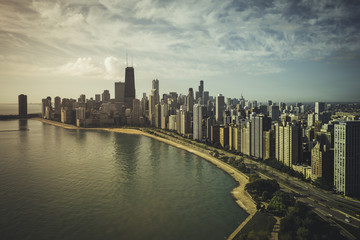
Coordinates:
(197, 122)
(220, 107)
(319, 107)
(288, 142)
(46, 105)
(154, 99)
(120, 92)
(106, 96)
(129, 86)
(57, 104)
(259, 124)
(190, 100)
(22, 101)
(347, 157)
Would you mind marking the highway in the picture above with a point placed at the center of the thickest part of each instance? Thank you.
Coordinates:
(328, 205)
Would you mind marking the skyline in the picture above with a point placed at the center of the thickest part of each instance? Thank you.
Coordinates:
(300, 51)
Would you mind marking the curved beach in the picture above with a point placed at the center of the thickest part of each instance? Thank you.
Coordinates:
(241, 197)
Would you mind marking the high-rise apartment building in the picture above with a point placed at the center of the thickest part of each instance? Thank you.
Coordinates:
(259, 124)
(46, 107)
(197, 122)
(220, 108)
(347, 157)
(22, 101)
(57, 101)
(322, 162)
(288, 144)
(224, 136)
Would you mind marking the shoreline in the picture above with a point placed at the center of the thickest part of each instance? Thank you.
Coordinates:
(240, 196)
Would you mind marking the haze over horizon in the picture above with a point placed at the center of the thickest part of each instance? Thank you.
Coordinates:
(279, 50)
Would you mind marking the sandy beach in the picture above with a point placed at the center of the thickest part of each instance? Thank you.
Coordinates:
(242, 198)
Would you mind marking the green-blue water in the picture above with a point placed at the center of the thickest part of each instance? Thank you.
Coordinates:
(74, 184)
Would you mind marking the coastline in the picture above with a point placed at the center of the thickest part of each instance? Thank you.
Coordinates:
(240, 196)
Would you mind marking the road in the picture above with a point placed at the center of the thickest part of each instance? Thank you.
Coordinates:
(327, 205)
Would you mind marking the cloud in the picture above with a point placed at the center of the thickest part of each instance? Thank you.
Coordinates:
(110, 69)
(84, 67)
(178, 39)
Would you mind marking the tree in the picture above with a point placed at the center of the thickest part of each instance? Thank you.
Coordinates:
(216, 153)
(280, 202)
(259, 235)
(253, 177)
(302, 233)
(265, 195)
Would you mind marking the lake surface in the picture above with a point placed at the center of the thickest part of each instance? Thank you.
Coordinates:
(57, 183)
(13, 108)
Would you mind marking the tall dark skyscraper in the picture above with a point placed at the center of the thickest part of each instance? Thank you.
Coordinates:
(201, 88)
(129, 86)
(22, 105)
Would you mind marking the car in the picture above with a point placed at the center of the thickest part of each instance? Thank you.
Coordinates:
(330, 215)
(347, 220)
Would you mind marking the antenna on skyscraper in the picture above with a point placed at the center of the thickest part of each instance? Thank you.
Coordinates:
(132, 65)
(127, 59)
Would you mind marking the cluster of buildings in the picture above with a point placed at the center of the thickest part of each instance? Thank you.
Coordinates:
(321, 141)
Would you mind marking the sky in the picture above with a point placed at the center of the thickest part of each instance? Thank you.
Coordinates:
(291, 51)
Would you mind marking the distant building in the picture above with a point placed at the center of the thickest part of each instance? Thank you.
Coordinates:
(347, 157)
(46, 107)
(274, 112)
(224, 136)
(268, 144)
(190, 100)
(220, 108)
(259, 124)
(288, 144)
(22, 101)
(154, 99)
(57, 101)
(120, 92)
(322, 162)
(319, 107)
(106, 96)
(234, 138)
(97, 98)
(197, 122)
(82, 98)
(129, 86)
(215, 134)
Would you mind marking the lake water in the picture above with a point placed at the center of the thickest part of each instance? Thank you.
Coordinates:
(57, 183)
(13, 108)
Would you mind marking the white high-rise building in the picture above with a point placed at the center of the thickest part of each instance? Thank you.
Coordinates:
(347, 157)
(154, 99)
(197, 120)
(287, 144)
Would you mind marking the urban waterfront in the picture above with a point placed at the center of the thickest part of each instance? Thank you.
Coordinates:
(77, 184)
